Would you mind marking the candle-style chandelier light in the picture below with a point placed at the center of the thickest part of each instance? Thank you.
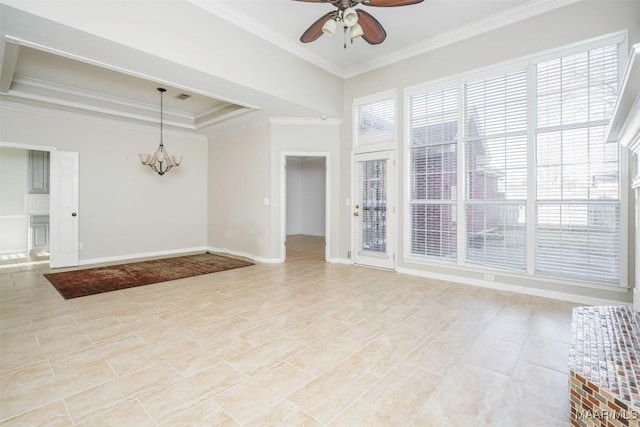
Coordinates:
(160, 161)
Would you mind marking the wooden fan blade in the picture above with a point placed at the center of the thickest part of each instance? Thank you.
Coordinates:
(372, 30)
(390, 3)
(314, 1)
(315, 30)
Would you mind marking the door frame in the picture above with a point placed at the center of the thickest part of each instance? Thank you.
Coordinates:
(392, 239)
(283, 199)
(53, 153)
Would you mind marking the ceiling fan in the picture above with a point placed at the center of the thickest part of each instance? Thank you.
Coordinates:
(359, 22)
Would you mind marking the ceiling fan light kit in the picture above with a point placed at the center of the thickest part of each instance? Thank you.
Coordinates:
(357, 21)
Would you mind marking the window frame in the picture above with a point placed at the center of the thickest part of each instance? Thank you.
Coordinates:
(529, 63)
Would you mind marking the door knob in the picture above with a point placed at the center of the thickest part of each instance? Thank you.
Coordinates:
(356, 214)
(74, 214)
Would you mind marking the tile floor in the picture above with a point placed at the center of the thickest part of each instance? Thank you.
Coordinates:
(303, 343)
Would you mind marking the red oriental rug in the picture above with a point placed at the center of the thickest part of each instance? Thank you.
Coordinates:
(79, 283)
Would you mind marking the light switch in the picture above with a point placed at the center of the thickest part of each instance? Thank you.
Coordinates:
(266, 201)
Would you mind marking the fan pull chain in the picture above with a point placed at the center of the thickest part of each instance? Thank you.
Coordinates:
(345, 37)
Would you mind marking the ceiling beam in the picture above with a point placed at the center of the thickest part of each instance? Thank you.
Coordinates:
(8, 66)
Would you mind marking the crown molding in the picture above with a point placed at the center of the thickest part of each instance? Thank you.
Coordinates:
(10, 103)
(304, 121)
(222, 11)
(50, 95)
(493, 22)
(46, 93)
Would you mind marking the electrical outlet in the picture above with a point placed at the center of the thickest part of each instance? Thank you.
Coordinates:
(79, 246)
(489, 277)
(349, 254)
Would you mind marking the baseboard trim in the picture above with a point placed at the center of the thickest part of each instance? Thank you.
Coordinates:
(346, 261)
(131, 257)
(246, 255)
(563, 296)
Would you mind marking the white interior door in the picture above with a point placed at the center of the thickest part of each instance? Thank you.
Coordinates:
(374, 209)
(63, 249)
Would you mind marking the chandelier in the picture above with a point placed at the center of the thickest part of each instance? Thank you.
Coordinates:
(160, 161)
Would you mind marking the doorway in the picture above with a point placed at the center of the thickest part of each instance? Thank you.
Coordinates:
(305, 208)
(24, 208)
(53, 224)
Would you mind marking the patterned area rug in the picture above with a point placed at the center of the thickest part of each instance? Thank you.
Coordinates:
(79, 283)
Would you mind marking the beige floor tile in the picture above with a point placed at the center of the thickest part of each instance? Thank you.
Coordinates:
(40, 391)
(26, 374)
(90, 403)
(266, 356)
(199, 389)
(198, 359)
(284, 413)
(317, 331)
(48, 335)
(254, 396)
(360, 347)
(268, 331)
(510, 325)
(359, 311)
(361, 414)
(546, 353)
(325, 354)
(552, 326)
(108, 330)
(220, 330)
(492, 353)
(539, 390)
(434, 415)
(131, 361)
(473, 391)
(327, 395)
(403, 391)
(440, 354)
(203, 414)
(128, 413)
(52, 415)
(521, 415)
(94, 354)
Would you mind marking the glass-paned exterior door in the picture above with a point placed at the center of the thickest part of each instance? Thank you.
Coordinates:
(374, 210)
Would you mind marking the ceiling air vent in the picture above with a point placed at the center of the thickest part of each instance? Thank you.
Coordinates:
(183, 96)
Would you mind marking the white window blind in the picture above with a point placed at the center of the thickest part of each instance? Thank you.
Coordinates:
(433, 130)
(375, 122)
(578, 201)
(495, 140)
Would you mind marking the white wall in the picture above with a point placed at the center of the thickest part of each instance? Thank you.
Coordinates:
(294, 196)
(306, 196)
(570, 24)
(13, 187)
(239, 182)
(13, 180)
(125, 209)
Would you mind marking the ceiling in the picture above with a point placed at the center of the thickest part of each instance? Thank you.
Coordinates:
(46, 79)
(410, 29)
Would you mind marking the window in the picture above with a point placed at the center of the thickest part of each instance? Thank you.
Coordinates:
(495, 140)
(432, 143)
(375, 119)
(541, 186)
(577, 203)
